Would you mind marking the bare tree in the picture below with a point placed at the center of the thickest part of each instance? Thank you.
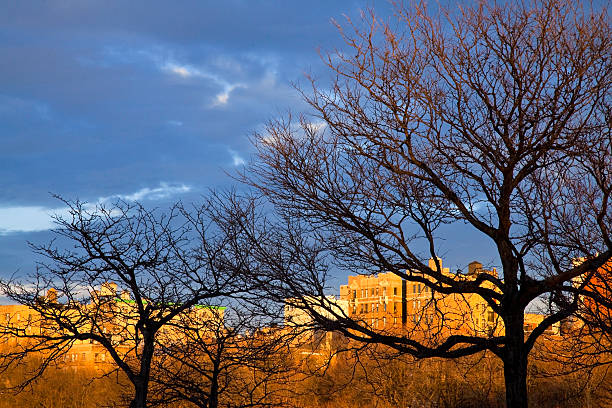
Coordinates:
(168, 264)
(491, 117)
(233, 359)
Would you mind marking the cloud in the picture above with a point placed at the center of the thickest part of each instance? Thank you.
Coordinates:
(222, 97)
(164, 60)
(237, 160)
(318, 126)
(189, 71)
(38, 218)
(164, 190)
(26, 219)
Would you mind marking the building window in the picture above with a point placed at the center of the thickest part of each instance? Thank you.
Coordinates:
(366, 293)
(491, 316)
(354, 294)
(385, 307)
(385, 291)
(394, 291)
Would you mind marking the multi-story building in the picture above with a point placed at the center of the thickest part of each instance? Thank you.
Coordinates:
(297, 315)
(599, 285)
(387, 302)
(109, 313)
(306, 337)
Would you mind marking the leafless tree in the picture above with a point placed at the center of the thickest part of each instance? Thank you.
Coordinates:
(493, 117)
(233, 359)
(167, 264)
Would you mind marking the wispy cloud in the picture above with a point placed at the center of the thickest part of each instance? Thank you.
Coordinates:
(166, 61)
(187, 71)
(164, 190)
(222, 97)
(237, 160)
(190, 71)
(17, 219)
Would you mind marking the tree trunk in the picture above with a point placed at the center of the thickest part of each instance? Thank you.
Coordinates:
(141, 383)
(213, 399)
(140, 394)
(515, 363)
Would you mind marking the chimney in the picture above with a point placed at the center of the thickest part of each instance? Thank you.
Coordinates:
(474, 267)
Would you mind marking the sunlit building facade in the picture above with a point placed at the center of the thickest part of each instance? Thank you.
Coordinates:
(115, 317)
(387, 302)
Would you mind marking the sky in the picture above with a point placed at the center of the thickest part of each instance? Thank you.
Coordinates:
(150, 101)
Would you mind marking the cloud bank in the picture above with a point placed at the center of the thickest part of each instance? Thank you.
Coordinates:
(17, 219)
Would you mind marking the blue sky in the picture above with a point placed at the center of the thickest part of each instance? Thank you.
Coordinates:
(143, 100)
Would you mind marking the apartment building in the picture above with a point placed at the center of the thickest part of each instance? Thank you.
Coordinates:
(387, 302)
(296, 314)
(110, 312)
(599, 284)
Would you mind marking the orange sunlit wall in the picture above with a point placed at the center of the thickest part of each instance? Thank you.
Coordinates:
(601, 284)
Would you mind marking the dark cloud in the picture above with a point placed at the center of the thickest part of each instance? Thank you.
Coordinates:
(237, 24)
(107, 98)
(100, 98)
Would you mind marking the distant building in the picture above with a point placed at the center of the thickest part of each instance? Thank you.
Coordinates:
(532, 320)
(307, 338)
(600, 285)
(115, 317)
(297, 310)
(387, 302)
